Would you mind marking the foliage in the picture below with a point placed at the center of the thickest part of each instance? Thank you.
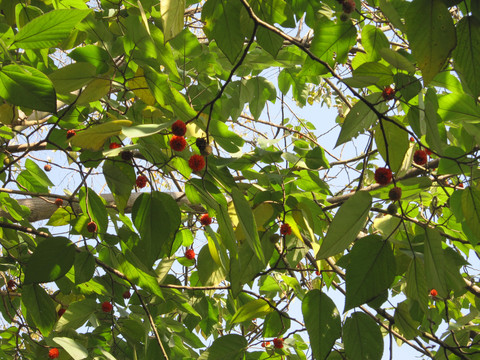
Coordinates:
(91, 90)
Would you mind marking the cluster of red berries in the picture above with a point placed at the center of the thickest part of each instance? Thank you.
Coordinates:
(178, 143)
(179, 128)
(196, 162)
(107, 307)
(59, 202)
(420, 157)
(53, 353)
(205, 220)
(433, 292)
(388, 93)
(114, 145)
(383, 175)
(190, 254)
(11, 285)
(71, 133)
(278, 343)
(126, 295)
(285, 229)
(141, 181)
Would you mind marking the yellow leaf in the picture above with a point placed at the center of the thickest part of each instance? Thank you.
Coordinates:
(94, 137)
(140, 88)
(8, 113)
(94, 91)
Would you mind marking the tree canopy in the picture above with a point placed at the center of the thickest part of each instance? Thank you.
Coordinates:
(153, 206)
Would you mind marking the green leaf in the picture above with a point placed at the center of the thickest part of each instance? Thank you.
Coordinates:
(316, 159)
(226, 138)
(417, 288)
(404, 321)
(397, 140)
(360, 118)
(362, 338)
(33, 178)
(95, 136)
(230, 346)
(52, 259)
(143, 130)
(253, 309)
(247, 222)
(373, 73)
(432, 119)
(94, 207)
(25, 86)
(93, 55)
(49, 30)
(156, 217)
(261, 90)
(76, 350)
(346, 225)
(40, 307)
(222, 23)
(332, 41)
(72, 77)
(434, 262)
(209, 272)
(373, 41)
(467, 52)
(76, 315)
(397, 60)
(84, 267)
(431, 34)
(120, 178)
(457, 107)
(471, 209)
(172, 17)
(269, 41)
(408, 86)
(370, 271)
(448, 166)
(322, 321)
(275, 324)
(243, 268)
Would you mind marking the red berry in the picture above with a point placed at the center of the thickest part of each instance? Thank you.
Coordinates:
(71, 133)
(114, 145)
(107, 307)
(47, 167)
(53, 353)
(61, 311)
(11, 284)
(178, 143)
(388, 93)
(141, 181)
(196, 162)
(285, 229)
(190, 254)
(412, 139)
(205, 220)
(433, 292)
(58, 202)
(383, 175)
(126, 294)
(395, 193)
(460, 185)
(92, 226)
(420, 157)
(265, 344)
(179, 128)
(278, 343)
(317, 273)
(348, 6)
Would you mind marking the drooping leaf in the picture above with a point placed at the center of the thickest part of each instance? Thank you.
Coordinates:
(370, 271)
(346, 225)
(322, 321)
(76, 350)
(209, 272)
(261, 90)
(52, 259)
(84, 267)
(374, 40)
(172, 17)
(156, 217)
(33, 178)
(431, 34)
(417, 288)
(467, 51)
(393, 136)
(253, 309)
(26, 86)
(95, 136)
(72, 77)
(471, 209)
(120, 178)
(40, 307)
(231, 346)
(50, 29)
(434, 262)
(76, 315)
(362, 338)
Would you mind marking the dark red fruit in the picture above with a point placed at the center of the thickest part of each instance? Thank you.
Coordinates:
(92, 226)
(179, 128)
(61, 311)
(107, 307)
(141, 181)
(126, 155)
(205, 220)
(285, 229)
(71, 133)
(388, 93)
(348, 6)
(53, 353)
(190, 254)
(58, 202)
(11, 285)
(47, 167)
(420, 157)
(383, 176)
(278, 343)
(114, 145)
(395, 193)
(126, 294)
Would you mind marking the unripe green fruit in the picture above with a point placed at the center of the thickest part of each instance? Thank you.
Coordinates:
(392, 209)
